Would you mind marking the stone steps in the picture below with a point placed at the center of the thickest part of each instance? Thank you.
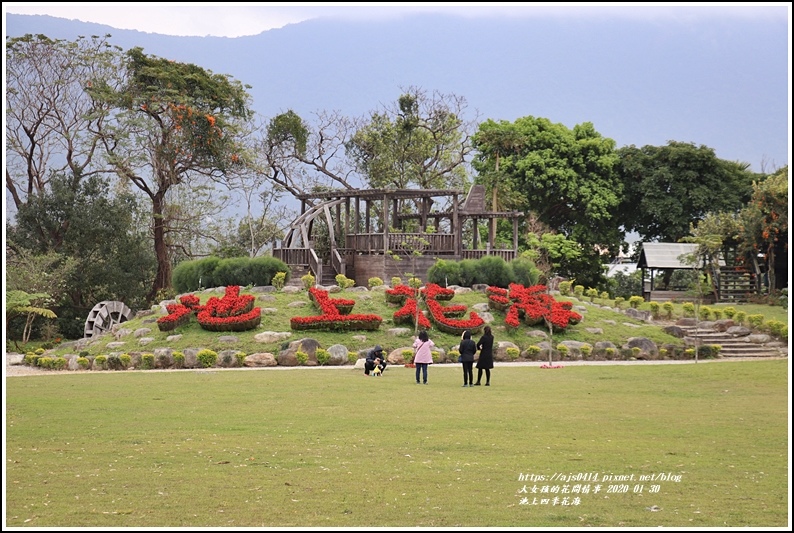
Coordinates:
(731, 346)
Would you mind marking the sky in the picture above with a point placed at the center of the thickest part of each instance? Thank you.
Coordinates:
(237, 19)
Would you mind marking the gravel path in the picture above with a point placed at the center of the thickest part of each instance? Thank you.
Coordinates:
(26, 370)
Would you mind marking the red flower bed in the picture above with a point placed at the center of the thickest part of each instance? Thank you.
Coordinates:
(230, 313)
(453, 326)
(408, 313)
(178, 315)
(433, 291)
(335, 315)
(534, 305)
(398, 294)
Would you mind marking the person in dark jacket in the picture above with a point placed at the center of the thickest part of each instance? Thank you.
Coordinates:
(374, 359)
(467, 350)
(485, 361)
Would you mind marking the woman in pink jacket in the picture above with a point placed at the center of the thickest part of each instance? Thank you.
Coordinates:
(423, 355)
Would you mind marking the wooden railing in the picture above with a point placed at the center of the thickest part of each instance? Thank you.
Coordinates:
(430, 243)
(337, 263)
(365, 242)
(315, 265)
(507, 255)
(292, 256)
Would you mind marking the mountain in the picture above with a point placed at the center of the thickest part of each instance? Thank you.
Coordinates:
(722, 83)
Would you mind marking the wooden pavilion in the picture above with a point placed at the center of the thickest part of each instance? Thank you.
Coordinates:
(359, 233)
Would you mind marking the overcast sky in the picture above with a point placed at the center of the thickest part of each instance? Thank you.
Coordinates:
(236, 19)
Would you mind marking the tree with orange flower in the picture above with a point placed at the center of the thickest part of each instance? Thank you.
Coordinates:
(172, 124)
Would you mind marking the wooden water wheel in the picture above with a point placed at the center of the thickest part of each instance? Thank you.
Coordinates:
(103, 316)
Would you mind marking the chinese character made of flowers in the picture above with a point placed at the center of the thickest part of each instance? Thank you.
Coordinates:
(232, 312)
(335, 315)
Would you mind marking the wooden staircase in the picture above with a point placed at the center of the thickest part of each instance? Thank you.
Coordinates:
(737, 281)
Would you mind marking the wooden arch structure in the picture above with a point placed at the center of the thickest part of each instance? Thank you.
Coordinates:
(358, 232)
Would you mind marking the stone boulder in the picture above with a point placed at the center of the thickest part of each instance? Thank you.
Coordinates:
(647, 347)
(338, 355)
(262, 359)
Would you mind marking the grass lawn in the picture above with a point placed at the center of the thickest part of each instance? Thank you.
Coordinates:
(696, 445)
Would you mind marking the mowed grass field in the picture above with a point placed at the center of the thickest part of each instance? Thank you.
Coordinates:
(692, 445)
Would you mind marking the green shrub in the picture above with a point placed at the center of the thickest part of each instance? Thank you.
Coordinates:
(591, 293)
(407, 355)
(704, 312)
(655, 309)
(322, 356)
(374, 282)
(302, 357)
(688, 309)
(755, 321)
(783, 298)
(604, 295)
(610, 352)
(83, 363)
(396, 281)
(240, 356)
(493, 270)
(308, 281)
(710, 351)
(578, 291)
(59, 363)
(45, 362)
(563, 349)
(468, 272)
(740, 317)
(436, 356)
(565, 288)
(453, 355)
(663, 353)
(635, 352)
(586, 350)
(147, 361)
(414, 282)
(207, 358)
(729, 311)
(84, 353)
(279, 280)
(526, 272)
(352, 357)
(344, 282)
(635, 301)
(189, 276)
(513, 353)
(619, 301)
(39, 351)
(114, 363)
(776, 327)
(668, 309)
(101, 361)
(126, 360)
(533, 352)
(179, 359)
(717, 314)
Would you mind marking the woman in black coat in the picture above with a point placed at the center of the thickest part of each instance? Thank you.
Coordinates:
(485, 362)
(467, 350)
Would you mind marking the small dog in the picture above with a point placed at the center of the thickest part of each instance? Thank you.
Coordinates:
(376, 371)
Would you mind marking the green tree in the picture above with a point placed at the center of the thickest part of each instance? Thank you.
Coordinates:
(172, 124)
(29, 306)
(763, 224)
(50, 121)
(564, 178)
(105, 237)
(422, 141)
(667, 188)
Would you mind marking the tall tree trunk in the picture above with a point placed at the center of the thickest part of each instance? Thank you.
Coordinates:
(163, 278)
